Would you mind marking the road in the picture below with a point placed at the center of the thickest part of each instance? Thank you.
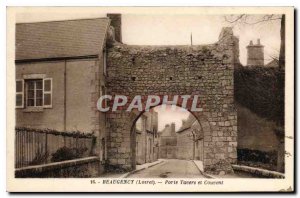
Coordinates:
(172, 168)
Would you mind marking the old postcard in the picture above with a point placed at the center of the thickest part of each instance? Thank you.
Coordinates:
(160, 99)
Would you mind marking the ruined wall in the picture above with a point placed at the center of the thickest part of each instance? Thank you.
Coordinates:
(205, 70)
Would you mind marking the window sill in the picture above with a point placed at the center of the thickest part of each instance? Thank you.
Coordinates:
(33, 109)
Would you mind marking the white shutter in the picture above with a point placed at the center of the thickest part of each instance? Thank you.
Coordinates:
(20, 93)
(47, 92)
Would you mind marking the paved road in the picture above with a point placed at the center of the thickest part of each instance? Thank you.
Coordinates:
(172, 168)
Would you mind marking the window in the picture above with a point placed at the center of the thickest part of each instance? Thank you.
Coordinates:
(19, 93)
(34, 91)
(38, 93)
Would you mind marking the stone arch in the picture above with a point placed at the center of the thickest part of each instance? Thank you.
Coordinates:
(204, 70)
(201, 118)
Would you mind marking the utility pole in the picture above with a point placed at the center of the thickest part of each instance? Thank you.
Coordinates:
(191, 39)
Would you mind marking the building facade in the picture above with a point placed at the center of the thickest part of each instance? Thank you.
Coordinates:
(168, 142)
(146, 135)
(190, 140)
(60, 74)
(186, 143)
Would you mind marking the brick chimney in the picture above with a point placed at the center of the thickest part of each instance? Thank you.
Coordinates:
(116, 23)
(255, 54)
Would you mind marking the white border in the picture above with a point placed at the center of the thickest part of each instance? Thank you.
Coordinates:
(111, 3)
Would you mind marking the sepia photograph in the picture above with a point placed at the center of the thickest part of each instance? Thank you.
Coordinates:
(134, 99)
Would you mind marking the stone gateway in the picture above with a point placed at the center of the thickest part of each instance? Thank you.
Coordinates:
(206, 71)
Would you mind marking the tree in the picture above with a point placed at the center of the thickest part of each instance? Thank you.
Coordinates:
(245, 19)
(256, 92)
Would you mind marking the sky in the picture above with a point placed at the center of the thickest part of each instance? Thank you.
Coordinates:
(176, 29)
(167, 116)
(172, 29)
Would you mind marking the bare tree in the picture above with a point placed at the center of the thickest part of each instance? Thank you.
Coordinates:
(266, 98)
(245, 19)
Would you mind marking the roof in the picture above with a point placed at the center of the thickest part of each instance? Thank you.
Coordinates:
(59, 39)
(187, 123)
(273, 63)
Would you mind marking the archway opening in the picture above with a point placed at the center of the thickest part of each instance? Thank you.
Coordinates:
(166, 132)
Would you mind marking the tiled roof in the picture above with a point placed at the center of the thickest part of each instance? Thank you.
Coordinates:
(59, 39)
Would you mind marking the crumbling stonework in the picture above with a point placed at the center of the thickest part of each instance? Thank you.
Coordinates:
(205, 70)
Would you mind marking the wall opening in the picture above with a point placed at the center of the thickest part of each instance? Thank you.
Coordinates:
(166, 132)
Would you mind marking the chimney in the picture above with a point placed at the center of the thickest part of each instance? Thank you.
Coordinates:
(255, 54)
(116, 23)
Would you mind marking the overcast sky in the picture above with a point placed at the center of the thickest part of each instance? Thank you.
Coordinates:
(170, 29)
(167, 116)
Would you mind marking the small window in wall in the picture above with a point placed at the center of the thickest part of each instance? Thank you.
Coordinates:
(34, 93)
(19, 93)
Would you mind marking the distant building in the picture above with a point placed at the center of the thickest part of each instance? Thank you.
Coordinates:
(186, 143)
(146, 135)
(168, 142)
(190, 140)
(255, 54)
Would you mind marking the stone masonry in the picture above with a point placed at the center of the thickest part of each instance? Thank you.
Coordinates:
(205, 70)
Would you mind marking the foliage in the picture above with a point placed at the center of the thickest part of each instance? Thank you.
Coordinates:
(261, 90)
(66, 153)
(257, 158)
(55, 132)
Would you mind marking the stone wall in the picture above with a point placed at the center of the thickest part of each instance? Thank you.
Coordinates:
(205, 70)
(79, 168)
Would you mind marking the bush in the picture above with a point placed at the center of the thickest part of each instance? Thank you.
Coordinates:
(257, 156)
(261, 90)
(66, 153)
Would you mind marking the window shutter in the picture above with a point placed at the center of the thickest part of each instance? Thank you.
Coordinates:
(47, 95)
(19, 93)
